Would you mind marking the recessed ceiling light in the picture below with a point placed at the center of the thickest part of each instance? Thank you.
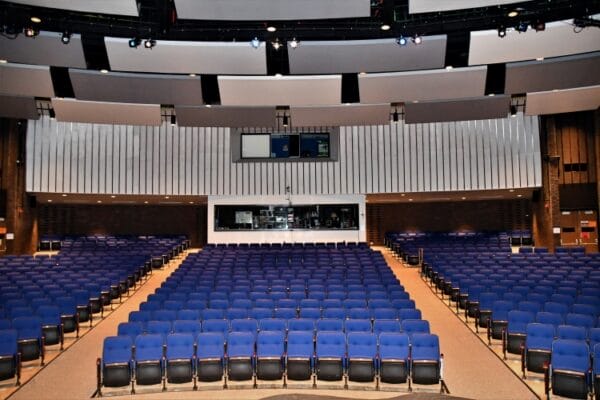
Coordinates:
(385, 27)
(362, 73)
(448, 67)
(3, 61)
(192, 74)
(402, 194)
(64, 195)
(463, 198)
(104, 71)
(519, 195)
(49, 200)
(539, 59)
(511, 190)
(166, 197)
(113, 196)
(35, 20)
(99, 201)
(191, 202)
(410, 199)
(208, 106)
(294, 43)
(271, 29)
(513, 13)
(146, 202)
(415, 101)
(491, 94)
(277, 75)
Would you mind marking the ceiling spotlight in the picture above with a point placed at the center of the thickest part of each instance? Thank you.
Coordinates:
(294, 43)
(35, 20)
(501, 32)
(385, 27)
(522, 27)
(173, 120)
(401, 41)
(65, 38)
(134, 42)
(417, 39)
(271, 29)
(149, 43)
(255, 43)
(276, 44)
(513, 13)
(3, 61)
(104, 71)
(30, 32)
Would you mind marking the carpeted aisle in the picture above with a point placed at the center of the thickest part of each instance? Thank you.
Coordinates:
(471, 370)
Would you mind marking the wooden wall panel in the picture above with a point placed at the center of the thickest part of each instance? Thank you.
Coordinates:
(432, 157)
(576, 142)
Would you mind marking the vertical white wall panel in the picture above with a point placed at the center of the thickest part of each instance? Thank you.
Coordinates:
(442, 156)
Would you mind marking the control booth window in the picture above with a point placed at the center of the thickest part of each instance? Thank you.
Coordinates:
(315, 145)
(282, 217)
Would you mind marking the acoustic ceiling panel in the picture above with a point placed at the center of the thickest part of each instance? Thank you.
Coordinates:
(563, 101)
(136, 88)
(346, 115)
(555, 73)
(313, 90)
(422, 85)
(96, 112)
(559, 39)
(457, 110)
(115, 7)
(271, 10)
(380, 55)
(425, 6)
(235, 117)
(18, 107)
(44, 49)
(25, 80)
(180, 57)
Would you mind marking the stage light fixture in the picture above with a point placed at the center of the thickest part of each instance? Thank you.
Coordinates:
(385, 27)
(173, 120)
(294, 43)
(513, 111)
(35, 20)
(285, 121)
(276, 44)
(271, 29)
(255, 43)
(417, 39)
(134, 42)
(149, 43)
(401, 41)
(30, 32)
(501, 32)
(539, 25)
(51, 113)
(395, 116)
(65, 38)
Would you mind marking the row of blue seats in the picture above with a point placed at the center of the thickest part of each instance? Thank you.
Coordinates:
(164, 327)
(270, 355)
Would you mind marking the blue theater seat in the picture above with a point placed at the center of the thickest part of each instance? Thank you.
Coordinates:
(114, 369)
(425, 359)
(330, 355)
(538, 347)
(270, 349)
(10, 359)
(210, 356)
(300, 355)
(363, 363)
(148, 360)
(394, 354)
(569, 369)
(131, 329)
(516, 330)
(240, 356)
(180, 358)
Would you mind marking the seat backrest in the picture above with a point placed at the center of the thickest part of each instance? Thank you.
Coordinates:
(216, 325)
(330, 324)
(301, 324)
(240, 344)
(596, 358)
(530, 306)
(8, 342)
(357, 325)
(188, 314)
(180, 346)
(330, 344)
(545, 317)
(414, 326)
(393, 345)
(386, 325)
(193, 327)
(116, 349)
(518, 320)
(409, 313)
(361, 345)
(131, 329)
(28, 327)
(584, 320)
(164, 315)
(570, 355)
(212, 313)
(139, 316)
(554, 307)
(162, 328)
(594, 336)
(571, 332)
(425, 346)
(300, 344)
(270, 344)
(272, 324)
(539, 336)
(244, 325)
(210, 345)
